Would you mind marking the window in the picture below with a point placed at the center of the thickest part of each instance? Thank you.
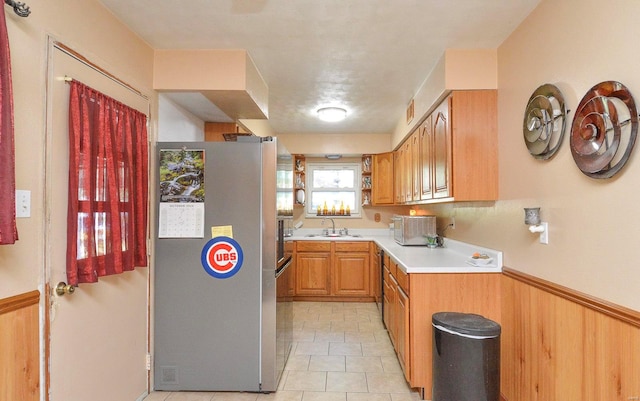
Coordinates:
(336, 185)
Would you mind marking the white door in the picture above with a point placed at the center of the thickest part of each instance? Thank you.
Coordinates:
(98, 334)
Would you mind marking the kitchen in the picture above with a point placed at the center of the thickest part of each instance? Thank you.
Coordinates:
(591, 235)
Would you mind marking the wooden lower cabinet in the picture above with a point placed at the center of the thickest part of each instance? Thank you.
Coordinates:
(312, 273)
(410, 300)
(350, 274)
(392, 313)
(402, 332)
(387, 300)
(333, 270)
(396, 314)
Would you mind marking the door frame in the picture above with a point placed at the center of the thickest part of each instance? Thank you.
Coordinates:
(54, 45)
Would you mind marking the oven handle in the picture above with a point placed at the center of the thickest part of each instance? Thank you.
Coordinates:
(284, 267)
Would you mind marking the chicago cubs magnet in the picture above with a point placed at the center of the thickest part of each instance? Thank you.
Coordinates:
(221, 257)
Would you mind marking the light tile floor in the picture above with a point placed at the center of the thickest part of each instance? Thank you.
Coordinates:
(341, 352)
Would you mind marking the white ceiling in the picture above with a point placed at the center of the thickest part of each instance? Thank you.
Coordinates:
(368, 55)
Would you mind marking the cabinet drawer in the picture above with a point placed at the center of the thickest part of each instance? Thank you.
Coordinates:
(385, 275)
(386, 260)
(393, 267)
(355, 246)
(313, 246)
(403, 280)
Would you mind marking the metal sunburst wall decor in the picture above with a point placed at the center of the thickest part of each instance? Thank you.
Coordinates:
(544, 121)
(604, 130)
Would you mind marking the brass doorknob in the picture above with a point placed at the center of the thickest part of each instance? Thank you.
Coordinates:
(64, 288)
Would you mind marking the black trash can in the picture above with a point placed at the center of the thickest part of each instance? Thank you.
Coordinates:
(466, 357)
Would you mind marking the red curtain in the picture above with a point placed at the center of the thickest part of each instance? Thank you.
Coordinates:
(108, 181)
(8, 229)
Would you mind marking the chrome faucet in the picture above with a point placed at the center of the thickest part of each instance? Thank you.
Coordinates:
(333, 224)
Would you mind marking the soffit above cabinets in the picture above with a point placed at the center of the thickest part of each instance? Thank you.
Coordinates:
(215, 85)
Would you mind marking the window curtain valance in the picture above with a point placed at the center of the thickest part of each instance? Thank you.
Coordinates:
(108, 186)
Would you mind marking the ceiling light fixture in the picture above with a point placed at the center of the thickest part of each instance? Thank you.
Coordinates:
(332, 114)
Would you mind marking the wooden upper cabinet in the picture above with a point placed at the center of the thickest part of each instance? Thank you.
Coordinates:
(407, 178)
(415, 166)
(474, 133)
(398, 173)
(214, 132)
(441, 151)
(426, 150)
(383, 192)
(456, 149)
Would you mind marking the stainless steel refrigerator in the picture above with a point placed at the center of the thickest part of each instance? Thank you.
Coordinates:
(222, 321)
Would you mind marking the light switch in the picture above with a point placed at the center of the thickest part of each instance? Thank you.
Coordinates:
(23, 203)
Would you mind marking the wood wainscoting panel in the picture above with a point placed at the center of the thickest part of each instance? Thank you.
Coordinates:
(19, 347)
(557, 348)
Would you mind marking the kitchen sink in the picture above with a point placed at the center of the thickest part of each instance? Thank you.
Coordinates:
(336, 235)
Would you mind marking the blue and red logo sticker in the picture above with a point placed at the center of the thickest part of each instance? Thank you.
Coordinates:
(221, 257)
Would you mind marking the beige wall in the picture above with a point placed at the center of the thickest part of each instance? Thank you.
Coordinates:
(322, 144)
(119, 52)
(593, 224)
(89, 29)
(456, 69)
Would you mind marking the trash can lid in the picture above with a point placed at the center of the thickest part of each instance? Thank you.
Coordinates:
(466, 323)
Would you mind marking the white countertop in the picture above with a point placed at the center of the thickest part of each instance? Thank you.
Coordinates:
(451, 258)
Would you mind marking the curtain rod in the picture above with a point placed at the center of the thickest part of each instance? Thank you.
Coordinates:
(19, 8)
(72, 53)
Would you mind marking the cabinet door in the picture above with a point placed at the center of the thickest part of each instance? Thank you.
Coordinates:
(407, 179)
(312, 273)
(376, 277)
(398, 173)
(415, 165)
(426, 163)
(214, 132)
(383, 179)
(442, 151)
(474, 128)
(386, 291)
(402, 331)
(350, 275)
(392, 327)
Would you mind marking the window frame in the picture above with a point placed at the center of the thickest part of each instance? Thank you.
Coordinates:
(356, 211)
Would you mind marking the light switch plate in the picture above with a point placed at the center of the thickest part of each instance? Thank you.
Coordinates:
(23, 203)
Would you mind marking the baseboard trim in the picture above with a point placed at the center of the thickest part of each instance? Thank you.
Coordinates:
(610, 309)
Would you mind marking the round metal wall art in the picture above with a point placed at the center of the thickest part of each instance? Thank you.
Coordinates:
(604, 130)
(544, 121)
